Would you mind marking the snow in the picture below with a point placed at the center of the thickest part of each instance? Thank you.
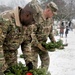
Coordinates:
(62, 62)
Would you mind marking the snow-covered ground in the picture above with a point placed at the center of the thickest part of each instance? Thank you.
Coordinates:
(62, 62)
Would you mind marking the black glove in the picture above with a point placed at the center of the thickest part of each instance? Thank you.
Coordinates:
(30, 66)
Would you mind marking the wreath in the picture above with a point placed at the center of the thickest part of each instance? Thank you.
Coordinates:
(20, 69)
(51, 46)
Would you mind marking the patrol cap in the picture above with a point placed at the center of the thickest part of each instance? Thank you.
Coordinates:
(53, 7)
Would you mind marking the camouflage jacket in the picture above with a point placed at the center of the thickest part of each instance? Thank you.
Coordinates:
(12, 33)
(45, 30)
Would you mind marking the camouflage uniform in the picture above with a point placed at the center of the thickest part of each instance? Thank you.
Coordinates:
(44, 30)
(12, 35)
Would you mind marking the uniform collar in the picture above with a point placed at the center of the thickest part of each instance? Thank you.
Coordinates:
(16, 16)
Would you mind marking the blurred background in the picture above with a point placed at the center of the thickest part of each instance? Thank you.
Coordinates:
(66, 7)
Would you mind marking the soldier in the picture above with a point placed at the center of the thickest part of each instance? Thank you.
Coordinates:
(44, 29)
(15, 30)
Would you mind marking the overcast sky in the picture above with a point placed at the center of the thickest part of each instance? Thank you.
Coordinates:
(7, 2)
(19, 2)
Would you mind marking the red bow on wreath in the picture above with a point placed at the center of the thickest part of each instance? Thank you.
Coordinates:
(29, 73)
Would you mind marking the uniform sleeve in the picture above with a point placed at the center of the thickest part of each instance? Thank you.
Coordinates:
(26, 49)
(3, 32)
(34, 41)
(26, 45)
(51, 36)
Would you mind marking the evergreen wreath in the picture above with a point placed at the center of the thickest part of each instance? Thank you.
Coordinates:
(20, 69)
(51, 46)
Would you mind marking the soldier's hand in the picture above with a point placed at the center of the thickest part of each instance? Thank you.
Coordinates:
(41, 47)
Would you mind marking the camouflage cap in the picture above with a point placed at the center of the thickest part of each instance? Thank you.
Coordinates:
(53, 7)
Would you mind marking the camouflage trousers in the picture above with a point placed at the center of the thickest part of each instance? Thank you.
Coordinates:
(44, 57)
(26, 49)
